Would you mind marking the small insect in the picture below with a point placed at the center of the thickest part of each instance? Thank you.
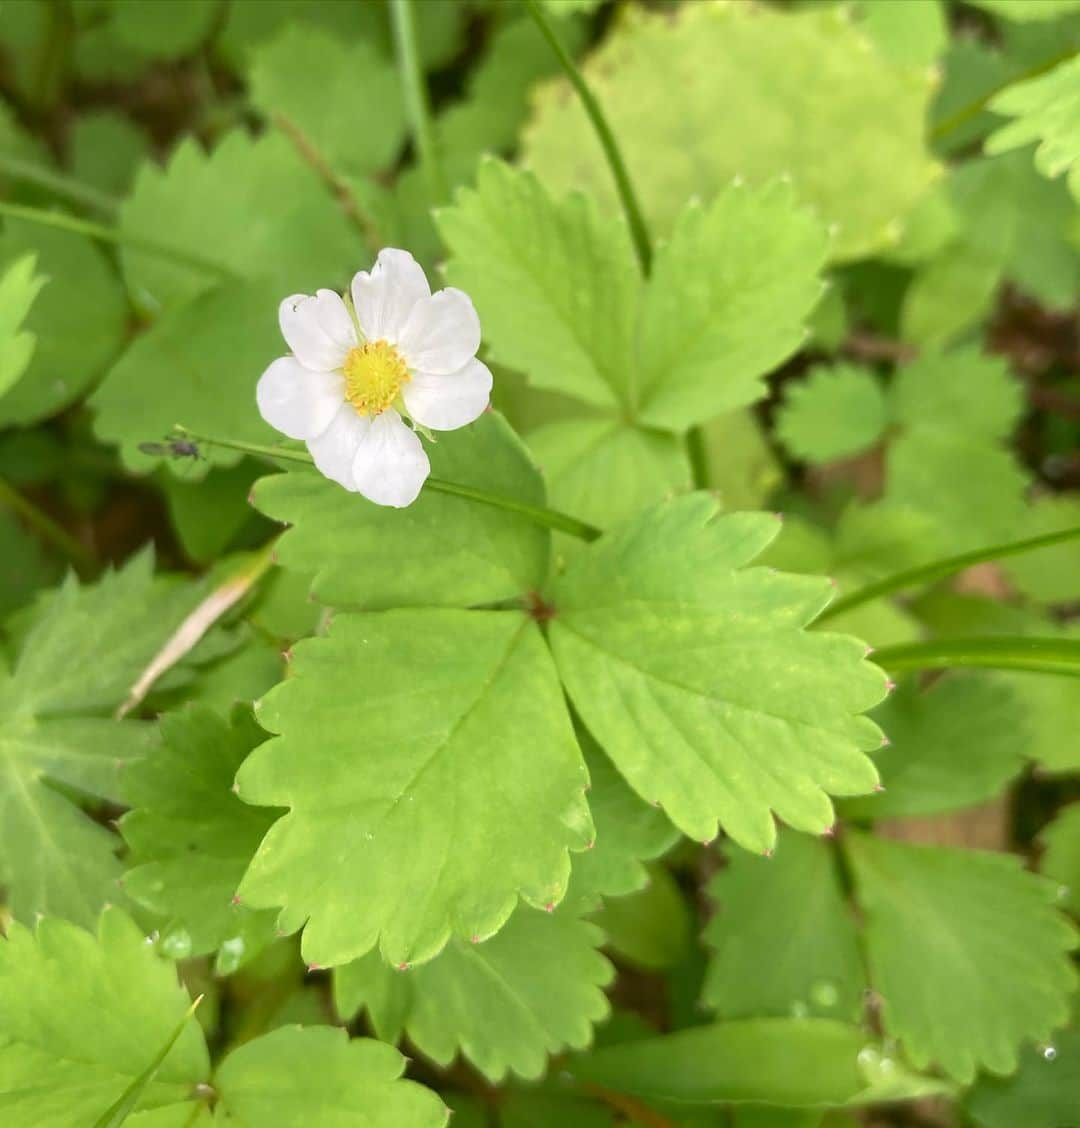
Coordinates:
(173, 448)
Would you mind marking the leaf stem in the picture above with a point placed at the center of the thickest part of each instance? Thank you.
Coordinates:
(632, 209)
(537, 514)
(55, 534)
(63, 222)
(1020, 652)
(416, 99)
(30, 172)
(939, 569)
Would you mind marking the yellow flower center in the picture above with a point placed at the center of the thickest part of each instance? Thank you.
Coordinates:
(374, 375)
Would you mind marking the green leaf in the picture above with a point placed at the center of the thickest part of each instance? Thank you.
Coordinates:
(19, 286)
(161, 32)
(783, 939)
(25, 565)
(966, 950)
(652, 928)
(197, 366)
(556, 286)
(1051, 655)
(695, 675)
(726, 302)
(1023, 10)
(1046, 109)
(252, 207)
(949, 295)
(1048, 575)
(294, 1077)
(210, 514)
(962, 391)
(814, 99)
(351, 76)
(106, 149)
(835, 413)
(532, 990)
(191, 838)
(740, 465)
(952, 745)
(440, 551)
(400, 751)
(908, 34)
(1043, 1093)
(81, 1016)
(78, 319)
(1061, 857)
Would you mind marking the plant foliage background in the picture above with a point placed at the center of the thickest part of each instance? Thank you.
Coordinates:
(672, 828)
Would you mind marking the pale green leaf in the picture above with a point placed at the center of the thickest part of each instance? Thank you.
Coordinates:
(80, 1018)
(1061, 857)
(1047, 110)
(783, 938)
(740, 466)
(949, 295)
(252, 208)
(1043, 1093)
(191, 838)
(297, 1077)
(835, 413)
(909, 34)
(532, 990)
(966, 950)
(330, 114)
(813, 99)
(726, 302)
(879, 539)
(952, 745)
(19, 286)
(78, 319)
(694, 673)
(440, 551)
(196, 366)
(556, 286)
(401, 754)
(1048, 575)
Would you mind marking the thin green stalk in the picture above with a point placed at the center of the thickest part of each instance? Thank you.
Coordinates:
(417, 105)
(1021, 652)
(29, 172)
(939, 569)
(63, 222)
(49, 530)
(966, 113)
(634, 215)
(539, 515)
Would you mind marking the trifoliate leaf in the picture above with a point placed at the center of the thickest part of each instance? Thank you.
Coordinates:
(726, 302)
(295, 1076)
(327, 113)
(963, 391)
(1043, 1093)
(783, 938)
(440, 551)
(1048, 575)
(191, 838)
(533, 989)
(602, 470)
(1047, 110)
(556, 286)
(78, 319)
(80, 1018)
(19, 286)
(1061, 858)
(835, 413)
(196, 366)
(695, 675)
(951, 746)
(432, 777)
(815, 100)
(252, 208)
(966, 949)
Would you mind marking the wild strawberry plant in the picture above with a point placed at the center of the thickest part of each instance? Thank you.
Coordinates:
(540, 537)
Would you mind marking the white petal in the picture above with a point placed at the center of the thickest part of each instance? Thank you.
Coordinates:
(318, 329)
(384, 297)
(442, 333)
(445, 403)
(296, 401)
(335, 449)
(390, 466)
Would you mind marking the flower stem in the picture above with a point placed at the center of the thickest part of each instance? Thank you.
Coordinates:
(416, 99)
(29, 172)
(1022, 652)
(634, 215)
(64, 222)
(537, 514)
(79, 555)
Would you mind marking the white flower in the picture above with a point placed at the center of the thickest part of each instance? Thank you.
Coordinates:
(350, 379)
